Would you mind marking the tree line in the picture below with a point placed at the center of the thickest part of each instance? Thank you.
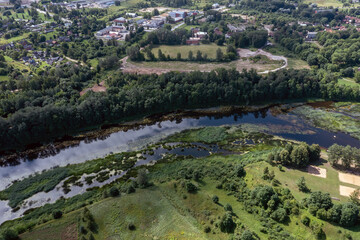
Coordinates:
(131, 95)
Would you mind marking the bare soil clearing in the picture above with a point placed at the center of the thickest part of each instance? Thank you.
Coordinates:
(346, 191)
(349, 178)
(316, 171)
(96, 88)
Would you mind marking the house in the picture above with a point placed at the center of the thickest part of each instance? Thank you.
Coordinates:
(176, 14)
(193, 41)
(311, 36)
(215, 5)
(132, 15)
(217, 31)
(119, 21)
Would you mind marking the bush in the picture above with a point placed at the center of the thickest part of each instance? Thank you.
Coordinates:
(279, 215)
(131, 227)
(190, 187)
(247, 235)
(215, 199)
(57, 214)
(207, 229)
(114, 192)
(227, 224)
(9, 234)
(228, 207)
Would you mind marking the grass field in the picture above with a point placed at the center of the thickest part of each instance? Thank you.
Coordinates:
(16, 64)
(348, 82)
(209, 49)
(14, 39)
(160, 67)
(326, 3)
(4, 78)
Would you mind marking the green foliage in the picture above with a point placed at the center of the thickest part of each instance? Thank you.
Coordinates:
(10, 234)
(57, 214)
(301, 184)
(279, 215)
(142, 179)
(26, 188)
(114, 191)
(215, 199)
(190, 187)
(226, 223)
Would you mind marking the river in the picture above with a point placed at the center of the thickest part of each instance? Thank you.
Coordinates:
(286, 125)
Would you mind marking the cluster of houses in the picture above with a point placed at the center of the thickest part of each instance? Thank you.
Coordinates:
(122, 26)
(40, 56)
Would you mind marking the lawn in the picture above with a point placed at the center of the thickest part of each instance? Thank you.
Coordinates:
(348, 82)
(209, 49)
(14, 39)
(159, 67)
(4, 78)
(325, 3)
(16, 64)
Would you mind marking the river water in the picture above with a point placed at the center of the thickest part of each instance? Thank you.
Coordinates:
(286, 125)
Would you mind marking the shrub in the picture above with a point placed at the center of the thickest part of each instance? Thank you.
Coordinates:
(10, 234)
(301, 184)
(131, 227)
(57, 214)
(228, 207)
(114, 192)
(207, 229)
(190, 187)
(226, 223)
(247, 235)
(215, 199)
(279, 215)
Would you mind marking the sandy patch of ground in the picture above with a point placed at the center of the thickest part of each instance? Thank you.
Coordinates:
(96, 88)
(316, 171)
(346, 191)
(349, 178)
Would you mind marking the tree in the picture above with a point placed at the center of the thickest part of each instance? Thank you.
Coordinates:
(198, 56)
(334, 153)
(142, 179)
(265, 175)
(239, 170)
(190, 56)
(190, 187)
(349, 214)
(117, 3)
(178, 56)
(156, 12)
(279, 215)
(9, 234)
(228, 207)
(219, 55)
(215, 199)
(355, 197)
(226, 223)
(301, 184)
(314, 152)
(300, 156)
(114, 191)
(247, 235)
(134, 53)
(57, 214)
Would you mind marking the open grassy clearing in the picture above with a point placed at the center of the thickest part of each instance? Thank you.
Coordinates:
(14, 39)
(325, 3)
(209, 49)
(16, 64)
(348, 82)
(161, 67)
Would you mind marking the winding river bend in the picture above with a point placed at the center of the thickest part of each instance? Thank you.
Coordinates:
(283, 124)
